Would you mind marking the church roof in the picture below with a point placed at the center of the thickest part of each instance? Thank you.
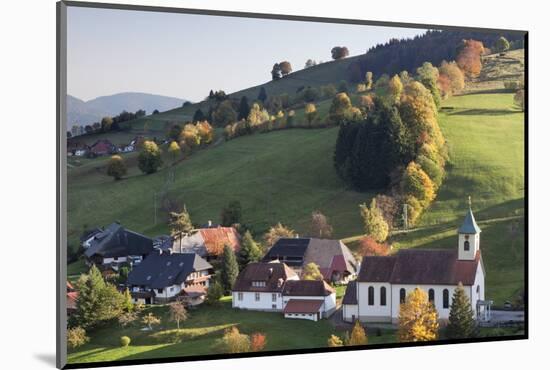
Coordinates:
(469, 226)
(415, 266)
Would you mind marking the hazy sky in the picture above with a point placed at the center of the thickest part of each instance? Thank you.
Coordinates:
(184, 56)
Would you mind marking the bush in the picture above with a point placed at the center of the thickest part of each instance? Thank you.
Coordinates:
(76, 337)
(125, 341)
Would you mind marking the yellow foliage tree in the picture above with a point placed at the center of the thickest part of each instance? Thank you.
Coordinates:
(358, 335)
(334, 341)
(418, 319)
(312, 272)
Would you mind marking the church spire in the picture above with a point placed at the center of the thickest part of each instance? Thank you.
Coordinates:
(469, 225)
(468, 236)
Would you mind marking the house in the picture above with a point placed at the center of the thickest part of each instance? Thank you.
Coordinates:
(115, 245)
(259, 286)
(308, 299)
(274, 286)
(384, 281)
(335, 260)
(207, 242)
(102, 147)
(76, 148)
(72, 296)
(166, 276)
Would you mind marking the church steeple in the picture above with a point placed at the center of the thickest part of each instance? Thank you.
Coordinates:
(468, 236)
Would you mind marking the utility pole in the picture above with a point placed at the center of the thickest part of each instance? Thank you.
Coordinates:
(405, 217)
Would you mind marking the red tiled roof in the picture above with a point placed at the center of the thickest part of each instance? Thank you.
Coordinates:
(303, 306)
(71, 300)
(274, 274)
(216, 238)
(314, 288)
(420, 267)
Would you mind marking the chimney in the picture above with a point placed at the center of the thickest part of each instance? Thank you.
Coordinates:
(209, 223)
(270, 271)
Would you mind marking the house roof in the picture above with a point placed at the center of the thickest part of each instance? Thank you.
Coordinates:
(291, 250)
(274, 274)
(469, 225)
(208, 241)
(420, 267)
(117, 241)
(350, 297)
(194, 291)
(331, 256)
(317, 288)
(303, 306)
(72, 297)
(162, 269)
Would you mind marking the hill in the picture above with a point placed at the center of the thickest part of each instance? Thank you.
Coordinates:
(87, 112)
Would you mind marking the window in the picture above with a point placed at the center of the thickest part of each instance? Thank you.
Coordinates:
(240, 296)
(116, 258)
(402, 295)
(445, 298)
(159, 290)
(466, 245)
(274, 297)
(371, 296)
(383, 296)
(257, 296)
(431, 295)
(274, 306)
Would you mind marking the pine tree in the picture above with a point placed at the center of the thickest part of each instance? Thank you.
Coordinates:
(230, 268)
(249, 252)
(244, 108)
(199, 116)
(128, 303)
(461, 316)
(418, 319)
(358, 336)
(262, 96)
(215, 292)
(180, 222)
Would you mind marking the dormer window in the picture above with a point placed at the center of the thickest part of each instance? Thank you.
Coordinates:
(258, 284)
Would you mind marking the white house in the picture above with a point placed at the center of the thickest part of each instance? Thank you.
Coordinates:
(384, 282)
(165, 276)
(273, 286)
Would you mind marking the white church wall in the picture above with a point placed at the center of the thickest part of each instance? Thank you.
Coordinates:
(375, 312)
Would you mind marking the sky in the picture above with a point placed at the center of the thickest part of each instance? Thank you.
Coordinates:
(184, 56)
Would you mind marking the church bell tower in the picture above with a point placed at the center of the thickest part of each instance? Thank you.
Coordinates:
(468, 236)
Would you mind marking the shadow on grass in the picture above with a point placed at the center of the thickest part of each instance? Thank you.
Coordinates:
(485, 112)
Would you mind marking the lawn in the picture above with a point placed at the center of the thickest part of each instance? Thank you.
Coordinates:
(201, 335)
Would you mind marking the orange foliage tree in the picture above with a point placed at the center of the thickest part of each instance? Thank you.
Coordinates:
(257, 342)
(370, 247)
(469, 57)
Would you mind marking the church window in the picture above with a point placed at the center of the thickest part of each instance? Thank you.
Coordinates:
(402, 295)
(466, 245)
(431, 295)
(383, 296)
(445, 298)
(371, 296)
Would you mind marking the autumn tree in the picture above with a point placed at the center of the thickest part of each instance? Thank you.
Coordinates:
(339, 109)
(235, 342)
(116, 167)
(231, 214)
(502, 44)
(418, 319)
(358, 335)
(469, 57)
(368, 80)
(127, 302)
(149, 159)
(249, 252)
(461, 317)
(258, 342)
(190, 136)
(320, 227)
(224, 114)
(257, 115)
(366, 102)
(106, 123)
(285, 67)
(229, 268)
(310, 112)
(428, 75)
(334, 341)
(277, 232)
(370, 247)
(311, 272)
(451, 77)
(205, 131)
(178, 312)
(180, 222)
(76, 337)
(417, 183)
(150, 320)
(395, 88)
(174, 150)
(339, 52)
(374, 223)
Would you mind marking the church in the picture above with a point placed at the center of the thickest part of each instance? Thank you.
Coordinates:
(383, 282)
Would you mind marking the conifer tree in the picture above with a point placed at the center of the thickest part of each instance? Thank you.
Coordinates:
(358, 336)
(199, 116)
(418, 319)
(461, 316)
(262, 96)
(230, 268)
(180, 222)
(375, 225)
(244, 108)
(249, 252)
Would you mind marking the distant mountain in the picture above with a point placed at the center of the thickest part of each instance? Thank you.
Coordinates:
(86, 112)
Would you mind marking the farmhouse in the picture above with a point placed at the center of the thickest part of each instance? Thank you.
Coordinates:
(333, 257)
(166, 276)
(207, 242)
(273, 286)
(384, 282)
(102, 147)
(114, 245)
